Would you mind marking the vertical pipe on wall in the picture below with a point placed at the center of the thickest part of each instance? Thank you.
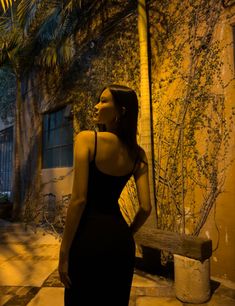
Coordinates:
(145, 110)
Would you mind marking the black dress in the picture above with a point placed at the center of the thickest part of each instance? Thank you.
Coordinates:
(102, 255)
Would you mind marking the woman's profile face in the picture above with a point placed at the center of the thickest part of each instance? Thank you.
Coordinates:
(105, 110)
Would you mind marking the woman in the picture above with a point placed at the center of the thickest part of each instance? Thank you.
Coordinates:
(97, 251)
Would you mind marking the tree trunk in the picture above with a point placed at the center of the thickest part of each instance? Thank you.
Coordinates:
(146, 138)
(27, 152)
(16, 184)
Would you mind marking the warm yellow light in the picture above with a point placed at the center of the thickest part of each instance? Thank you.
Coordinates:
(6, 4)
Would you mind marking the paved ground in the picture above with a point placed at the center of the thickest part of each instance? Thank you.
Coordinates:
(28, 274)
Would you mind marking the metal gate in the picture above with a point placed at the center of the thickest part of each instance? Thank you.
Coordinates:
(6, 154)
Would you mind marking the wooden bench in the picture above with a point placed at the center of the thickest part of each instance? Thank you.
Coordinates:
(180, 244)
(191, 268)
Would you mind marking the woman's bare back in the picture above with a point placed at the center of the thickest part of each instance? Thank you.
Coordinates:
(112, 156)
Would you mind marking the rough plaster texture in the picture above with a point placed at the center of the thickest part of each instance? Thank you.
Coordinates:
(192, 279)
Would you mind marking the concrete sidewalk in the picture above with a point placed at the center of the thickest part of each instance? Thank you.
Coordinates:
(29, 276)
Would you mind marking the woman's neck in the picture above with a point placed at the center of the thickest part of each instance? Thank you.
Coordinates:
(111, 128)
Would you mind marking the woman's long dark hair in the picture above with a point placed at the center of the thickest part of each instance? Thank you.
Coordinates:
(126, 102)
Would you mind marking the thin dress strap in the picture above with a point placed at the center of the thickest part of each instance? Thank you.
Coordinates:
(95, 146)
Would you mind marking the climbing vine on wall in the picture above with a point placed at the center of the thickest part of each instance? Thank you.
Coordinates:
(191, 126)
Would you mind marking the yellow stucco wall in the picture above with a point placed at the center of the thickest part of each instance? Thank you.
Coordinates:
(220, 225)
(57, 181)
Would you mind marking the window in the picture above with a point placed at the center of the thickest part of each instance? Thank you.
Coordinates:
(6, 156)
(57, 140)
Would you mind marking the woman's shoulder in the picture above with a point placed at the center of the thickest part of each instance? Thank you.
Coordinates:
(85, 136)
(108, 137)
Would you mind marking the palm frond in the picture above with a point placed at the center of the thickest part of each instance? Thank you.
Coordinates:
(8, 21)
(49, 57)
(47, 31)
(10, 45)
(66, 51)
(5, 4)
(6, 24)
(26, 12)
(71, 4)
(57, 55)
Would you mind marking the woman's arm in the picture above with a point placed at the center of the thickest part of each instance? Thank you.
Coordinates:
(77, 202)
(141, 177)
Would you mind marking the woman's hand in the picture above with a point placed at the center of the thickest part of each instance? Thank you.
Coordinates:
(63, 271)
